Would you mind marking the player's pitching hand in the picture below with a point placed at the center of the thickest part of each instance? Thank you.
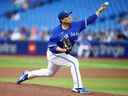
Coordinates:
(102, 8)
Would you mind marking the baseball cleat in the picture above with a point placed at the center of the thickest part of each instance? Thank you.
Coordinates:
(80, 90)
(23, 77)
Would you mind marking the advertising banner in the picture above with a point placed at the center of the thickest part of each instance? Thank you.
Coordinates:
(98, 49)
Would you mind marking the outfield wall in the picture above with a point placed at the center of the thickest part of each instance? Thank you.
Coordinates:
(109, 49)
(23, 48)
(98, 49)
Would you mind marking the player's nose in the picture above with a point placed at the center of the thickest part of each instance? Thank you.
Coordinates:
(70, 18)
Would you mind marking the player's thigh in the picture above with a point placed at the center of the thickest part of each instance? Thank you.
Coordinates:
(72, 59)
(61, 59)
(64, 59)
(58, 61)
(52, 67)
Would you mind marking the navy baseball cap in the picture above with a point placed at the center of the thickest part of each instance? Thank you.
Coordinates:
(63, 14)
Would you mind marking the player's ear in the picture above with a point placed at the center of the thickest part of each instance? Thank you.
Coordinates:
(60, 21)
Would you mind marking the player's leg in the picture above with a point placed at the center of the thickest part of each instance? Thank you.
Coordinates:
(75, 72)
(68, 60)
(50, 71)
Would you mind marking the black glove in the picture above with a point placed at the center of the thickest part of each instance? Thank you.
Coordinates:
(67, 45)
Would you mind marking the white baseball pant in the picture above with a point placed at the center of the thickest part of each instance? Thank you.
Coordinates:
(55, 61)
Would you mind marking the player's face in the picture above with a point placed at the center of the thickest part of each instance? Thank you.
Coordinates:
(67, 20)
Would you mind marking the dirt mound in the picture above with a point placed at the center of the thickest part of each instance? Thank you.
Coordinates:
(11, 89)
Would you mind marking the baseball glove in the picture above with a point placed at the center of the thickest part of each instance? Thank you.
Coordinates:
(67, 45)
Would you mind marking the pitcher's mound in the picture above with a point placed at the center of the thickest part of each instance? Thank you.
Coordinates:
(11, 89)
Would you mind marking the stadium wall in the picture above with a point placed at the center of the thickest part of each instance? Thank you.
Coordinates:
(98, 49)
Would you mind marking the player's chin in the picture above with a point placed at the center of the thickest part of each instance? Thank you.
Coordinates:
(69, 22)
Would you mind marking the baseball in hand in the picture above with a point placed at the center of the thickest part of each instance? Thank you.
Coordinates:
(106, 3)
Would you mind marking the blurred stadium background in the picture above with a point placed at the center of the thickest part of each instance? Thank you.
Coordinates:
(26, 25)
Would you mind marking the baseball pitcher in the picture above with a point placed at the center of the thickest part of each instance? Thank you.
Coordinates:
(60, 45)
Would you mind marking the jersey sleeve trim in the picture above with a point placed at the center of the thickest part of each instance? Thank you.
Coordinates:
(85, 23)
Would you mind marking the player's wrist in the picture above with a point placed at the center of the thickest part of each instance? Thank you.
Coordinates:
(61, 50)
(102, 8)
(64, 50)
(97, 13)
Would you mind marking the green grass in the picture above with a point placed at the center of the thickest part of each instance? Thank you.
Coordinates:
(39, 62)
(110, 85)
(104, 63)
(22, 62)
(115, 86)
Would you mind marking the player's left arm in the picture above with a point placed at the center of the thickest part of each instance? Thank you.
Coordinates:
(93, 18)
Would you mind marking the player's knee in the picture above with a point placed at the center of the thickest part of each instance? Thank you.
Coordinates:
(76, 62)
(50, 73)
(74, 65)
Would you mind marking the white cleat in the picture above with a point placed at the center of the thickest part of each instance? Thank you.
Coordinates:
(81, 90)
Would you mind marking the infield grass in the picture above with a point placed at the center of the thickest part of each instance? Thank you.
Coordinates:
(39, 62)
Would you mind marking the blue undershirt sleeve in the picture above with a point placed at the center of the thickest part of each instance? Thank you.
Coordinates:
(84, 23)
(92, 19)
(53, 49)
